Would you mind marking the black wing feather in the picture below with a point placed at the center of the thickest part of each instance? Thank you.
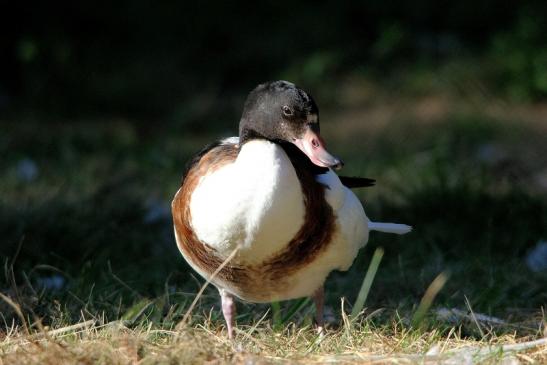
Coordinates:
(356, 182)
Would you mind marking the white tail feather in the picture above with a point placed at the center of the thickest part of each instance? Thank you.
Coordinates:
(389, 227)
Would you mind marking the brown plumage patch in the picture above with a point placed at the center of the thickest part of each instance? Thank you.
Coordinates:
(200, 254)
(258, 282)
(314, 235)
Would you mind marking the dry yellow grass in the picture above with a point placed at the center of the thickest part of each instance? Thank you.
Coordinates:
(206, 342)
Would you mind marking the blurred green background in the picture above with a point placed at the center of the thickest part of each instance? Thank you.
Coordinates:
(102, 103)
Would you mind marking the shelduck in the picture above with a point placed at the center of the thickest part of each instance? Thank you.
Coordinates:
(263, 216)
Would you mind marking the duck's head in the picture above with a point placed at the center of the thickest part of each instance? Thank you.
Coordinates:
(281, 112)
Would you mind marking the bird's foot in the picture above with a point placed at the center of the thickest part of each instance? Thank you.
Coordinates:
(320, 331)
(319, 299)
(229, 311)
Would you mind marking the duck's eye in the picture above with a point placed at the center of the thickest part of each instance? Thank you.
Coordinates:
(287, 111)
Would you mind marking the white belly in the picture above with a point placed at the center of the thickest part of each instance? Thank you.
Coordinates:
(254, 203)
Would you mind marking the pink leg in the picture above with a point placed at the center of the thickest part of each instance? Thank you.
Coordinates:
(319, 299)
(229, 311)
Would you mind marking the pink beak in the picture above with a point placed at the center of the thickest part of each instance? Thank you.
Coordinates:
(313, 146)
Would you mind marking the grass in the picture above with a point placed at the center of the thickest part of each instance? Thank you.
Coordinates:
(89, 238)
(365, 339)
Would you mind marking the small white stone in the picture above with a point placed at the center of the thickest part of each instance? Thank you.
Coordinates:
(27, 170)
(536, 259)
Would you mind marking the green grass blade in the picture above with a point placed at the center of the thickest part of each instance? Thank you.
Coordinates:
(367, 282)
(276, 315)
(429, 295)
(295, 308)
(137, 310)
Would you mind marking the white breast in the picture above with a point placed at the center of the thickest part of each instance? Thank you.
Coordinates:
(255, 203)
